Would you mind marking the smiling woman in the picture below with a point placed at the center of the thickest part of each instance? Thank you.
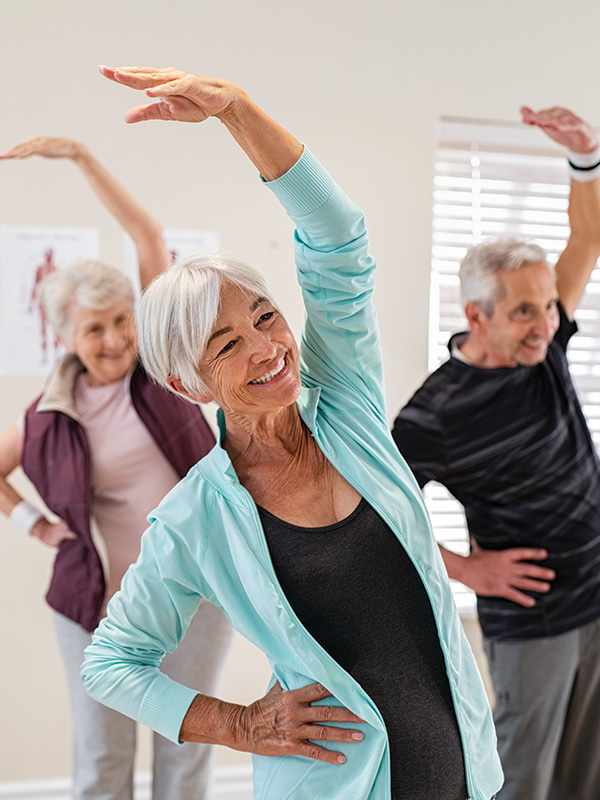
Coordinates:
(251, 358)
(303, 523)
(103, 445)
(90, 306)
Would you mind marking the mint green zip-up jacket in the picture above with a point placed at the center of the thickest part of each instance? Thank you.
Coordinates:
(205, 539)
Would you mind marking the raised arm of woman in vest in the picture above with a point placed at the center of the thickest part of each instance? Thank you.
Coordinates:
(145, 231)
(23, 515)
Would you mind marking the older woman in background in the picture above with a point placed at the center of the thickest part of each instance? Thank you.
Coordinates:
(102, 445)
(305, 524)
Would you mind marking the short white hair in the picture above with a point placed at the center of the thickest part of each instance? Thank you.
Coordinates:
(91, 284)
(177, 314)
(480, 267)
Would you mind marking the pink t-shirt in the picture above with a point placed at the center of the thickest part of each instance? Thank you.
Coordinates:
(130, 475)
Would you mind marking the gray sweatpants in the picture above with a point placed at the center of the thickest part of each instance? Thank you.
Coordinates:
(547, 715)
(104, 741)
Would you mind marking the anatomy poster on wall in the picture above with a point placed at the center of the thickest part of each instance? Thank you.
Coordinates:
(28, 346)
(180, 242)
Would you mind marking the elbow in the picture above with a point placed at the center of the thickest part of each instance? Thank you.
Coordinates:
(87, 674)
(91, 673)
(586, 243)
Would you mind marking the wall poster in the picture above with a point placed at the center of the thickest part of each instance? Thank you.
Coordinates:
(27, 254)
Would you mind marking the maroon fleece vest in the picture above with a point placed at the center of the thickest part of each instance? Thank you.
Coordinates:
(56, 458)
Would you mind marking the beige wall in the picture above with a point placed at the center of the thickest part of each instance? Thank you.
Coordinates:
(361, 83)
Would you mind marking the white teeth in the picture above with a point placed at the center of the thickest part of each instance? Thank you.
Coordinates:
(269, 375)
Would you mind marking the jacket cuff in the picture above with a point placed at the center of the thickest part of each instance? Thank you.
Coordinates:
(303, 188)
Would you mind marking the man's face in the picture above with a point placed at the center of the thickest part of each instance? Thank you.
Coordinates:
(524, 321)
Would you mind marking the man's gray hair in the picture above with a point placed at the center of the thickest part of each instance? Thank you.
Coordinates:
(177, 313)
(479, 269)
(88, 283)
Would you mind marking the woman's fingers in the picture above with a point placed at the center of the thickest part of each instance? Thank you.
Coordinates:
(182, 97)
(328, 733)
(150, 111)
(29, 147)
(312, 693)
(48, 146)
(140, 77)
(326, 714)
(310, 750)
(288, 722)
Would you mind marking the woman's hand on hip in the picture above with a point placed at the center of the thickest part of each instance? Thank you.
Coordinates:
(52, 533)
(287, 723)
(282, 723)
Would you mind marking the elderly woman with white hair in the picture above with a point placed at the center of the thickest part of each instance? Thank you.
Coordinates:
(303, 524)
(102, 445)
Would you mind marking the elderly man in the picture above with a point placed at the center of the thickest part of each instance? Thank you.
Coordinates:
(500, 425)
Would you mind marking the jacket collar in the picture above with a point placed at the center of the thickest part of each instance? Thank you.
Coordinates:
(58, 391)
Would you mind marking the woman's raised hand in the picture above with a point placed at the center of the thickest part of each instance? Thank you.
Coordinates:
(48, 146)
(182, 97)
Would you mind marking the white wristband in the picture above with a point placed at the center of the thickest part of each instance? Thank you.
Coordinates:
(584, 167)
(24, 516)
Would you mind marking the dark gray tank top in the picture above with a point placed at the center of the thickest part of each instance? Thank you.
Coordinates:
(356, 591)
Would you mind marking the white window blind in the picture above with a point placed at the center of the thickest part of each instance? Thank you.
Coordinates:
(496, 179)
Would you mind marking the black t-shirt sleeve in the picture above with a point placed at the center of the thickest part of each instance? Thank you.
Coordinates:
(566, 328)
(420, 440)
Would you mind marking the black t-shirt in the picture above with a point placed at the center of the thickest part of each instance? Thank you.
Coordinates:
(512, 445)
(355, 589)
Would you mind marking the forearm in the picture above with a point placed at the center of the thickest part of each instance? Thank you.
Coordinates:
(454, 563)
(579, 257)
(116, 199)
(11, 450)
(584, 212)
(271, 148)
(9, 497)
(147, 618)
(212, 721)
(145, 231)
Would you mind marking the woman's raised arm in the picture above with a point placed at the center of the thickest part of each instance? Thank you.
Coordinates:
(145, 231)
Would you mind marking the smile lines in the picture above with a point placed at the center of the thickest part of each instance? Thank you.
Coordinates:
(266, 378)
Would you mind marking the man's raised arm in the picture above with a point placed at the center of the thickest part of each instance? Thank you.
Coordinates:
(577, 261)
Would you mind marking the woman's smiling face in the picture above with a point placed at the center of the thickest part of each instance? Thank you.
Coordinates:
(104, 340)
(251, 363)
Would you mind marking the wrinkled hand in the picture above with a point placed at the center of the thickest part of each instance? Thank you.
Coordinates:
(563, 126)
(52, 533)
(48, 146)
(507, 573)
(182, 97)
(285, 722)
